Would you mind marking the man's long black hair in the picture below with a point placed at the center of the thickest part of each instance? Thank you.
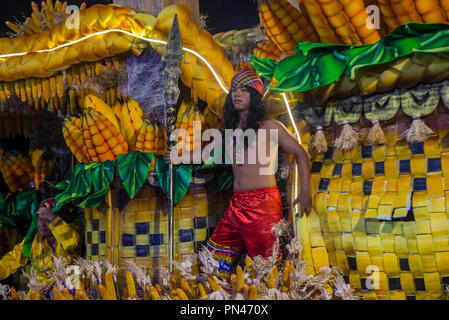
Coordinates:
(256, 113)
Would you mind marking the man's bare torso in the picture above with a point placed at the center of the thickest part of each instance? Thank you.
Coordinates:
(251, 176)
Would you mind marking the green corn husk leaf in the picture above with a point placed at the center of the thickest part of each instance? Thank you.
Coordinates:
(133, 169)
(90, 180)
(101, 178)
(182, 175)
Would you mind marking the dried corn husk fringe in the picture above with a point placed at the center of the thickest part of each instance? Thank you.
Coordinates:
(348, 138)
(376, 135)
(318, 142)
(419, 131)
(259, 279)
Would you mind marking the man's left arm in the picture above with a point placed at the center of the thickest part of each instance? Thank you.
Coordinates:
(65, 234)
(288, 143)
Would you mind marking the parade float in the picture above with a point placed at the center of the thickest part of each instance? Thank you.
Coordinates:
(368, 104)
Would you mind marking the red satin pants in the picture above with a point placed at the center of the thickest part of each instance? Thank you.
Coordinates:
(246, 223)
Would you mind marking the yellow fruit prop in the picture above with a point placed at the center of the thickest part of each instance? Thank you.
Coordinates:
(103, 140)
(16, 169)
(285, 25)
(41, 170)
(336, 21)
(267, 49)
(151, 137)
(396, 13)
(40, 166)
(94, 102)
(74, 139)
(187, 114)
(44, 64)
(103, 132)
(41, 78)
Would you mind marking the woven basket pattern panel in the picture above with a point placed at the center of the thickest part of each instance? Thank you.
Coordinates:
(384, 210)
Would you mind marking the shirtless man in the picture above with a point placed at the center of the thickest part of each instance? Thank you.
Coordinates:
(256, 203)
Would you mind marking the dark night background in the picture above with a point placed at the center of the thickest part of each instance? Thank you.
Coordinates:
(223, 15)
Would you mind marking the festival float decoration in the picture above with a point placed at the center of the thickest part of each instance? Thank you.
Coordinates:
(257, 280)
(376, 158)
(379, 120)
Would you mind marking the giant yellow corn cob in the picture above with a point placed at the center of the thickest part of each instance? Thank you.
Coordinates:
(203, 293)
(74, 138)
(103, 292)
(106, 140)
(240, 279)
(110, 286)
(131, 286)
(127, 128)
(95, 18)
(180, 294)
(186, 288)
(267, 49)
(253, 293)
(136, 115)
(91, 148)
(41, 170)
(272, 278)
(94, 102)
(213, 283)
(355, 15)
(17, 171)
(80, 293)
(285, 25)
(151, 137)
(187, 115)
(35, 155)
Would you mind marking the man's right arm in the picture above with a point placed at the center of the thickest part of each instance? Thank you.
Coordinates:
(11, 261)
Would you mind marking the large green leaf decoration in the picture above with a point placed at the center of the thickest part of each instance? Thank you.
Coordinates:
(32, 230)
(87, 180)
(26, 204)
(101, 176)
(317, 64)
(182, 175)
(62, 185)
(133, 169)
(77, 187)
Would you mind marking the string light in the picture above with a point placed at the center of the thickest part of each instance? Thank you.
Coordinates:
(216, 76)
(295, 187)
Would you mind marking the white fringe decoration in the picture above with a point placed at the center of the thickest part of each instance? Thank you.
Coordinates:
(419, 131)
(318, 142)
(376, 135)
(348, 138)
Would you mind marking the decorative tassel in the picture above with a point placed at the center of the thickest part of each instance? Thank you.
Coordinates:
(348, 138)
(376, 135)
(419, 131)
(318, 142)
